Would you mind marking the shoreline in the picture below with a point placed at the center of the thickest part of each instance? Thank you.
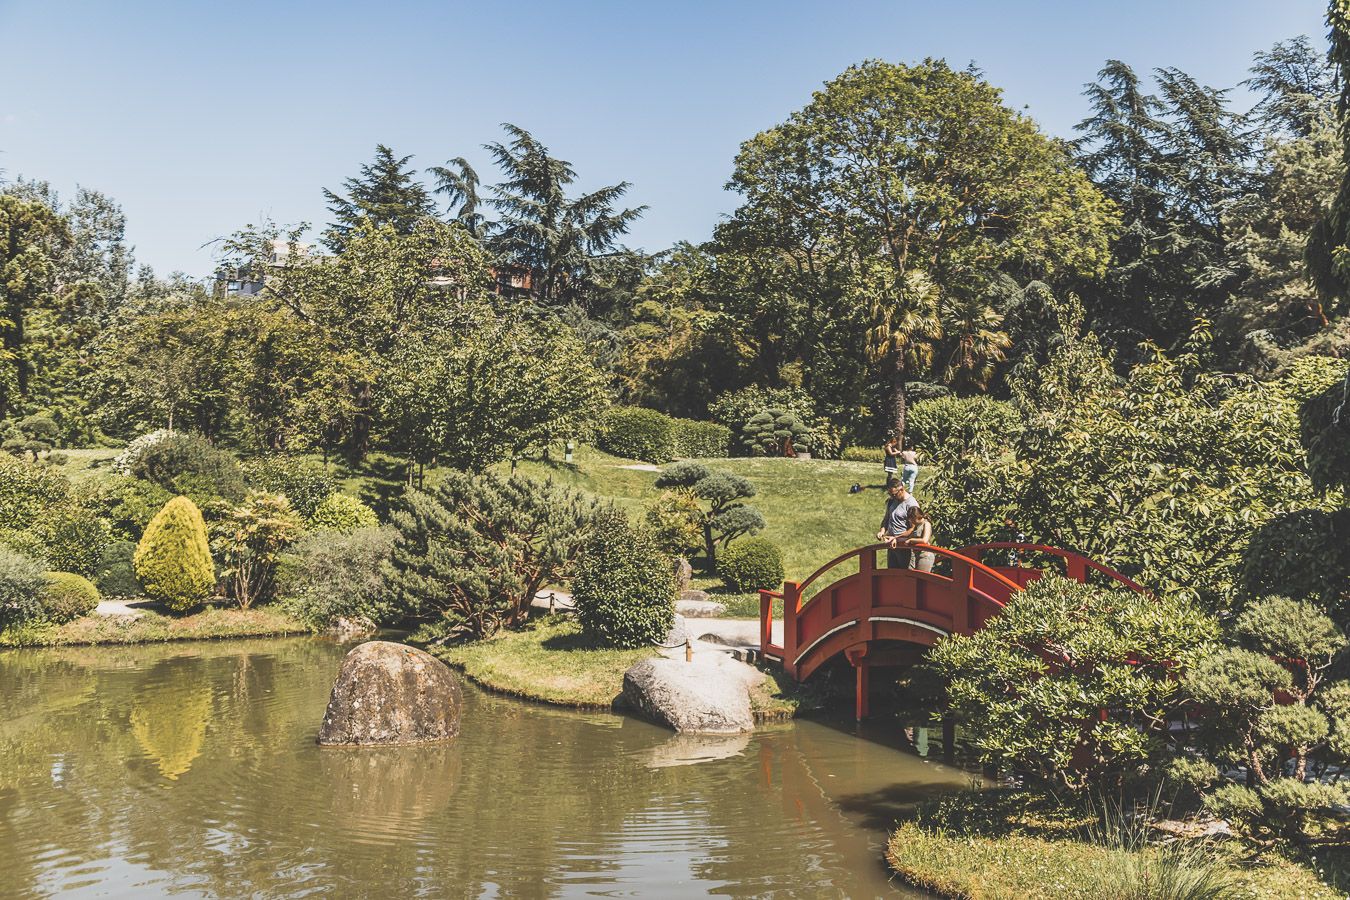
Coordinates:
(210, 624)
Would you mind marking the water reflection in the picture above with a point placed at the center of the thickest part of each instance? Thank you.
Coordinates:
(191, 769)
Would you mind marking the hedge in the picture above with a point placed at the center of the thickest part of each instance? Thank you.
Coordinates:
(701, 440)
(634, 432)
(863, 454)
(751, 564)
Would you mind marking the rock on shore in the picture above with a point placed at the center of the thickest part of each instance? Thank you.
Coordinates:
(389, 693)
(710, 695)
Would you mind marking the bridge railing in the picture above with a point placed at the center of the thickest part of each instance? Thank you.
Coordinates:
(1076, 565)
(968, 574)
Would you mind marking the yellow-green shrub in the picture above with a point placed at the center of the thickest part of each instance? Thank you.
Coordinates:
(68, 597)
(173, 558)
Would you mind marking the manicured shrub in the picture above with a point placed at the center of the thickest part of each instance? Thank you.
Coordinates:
(473, 550)
(22, 583)
(726, 518)
(701, 440)
(187, 464)
(637, 433)
(248, 541)
(116, 575)
(330, 575)
(768, 433)
(863, 454)
(126, 461)
(68, 597)
(343, 513)
(173, 558)
(735, 408)
(304, 482)
(751, 564)
(625, 586)
(27, 490)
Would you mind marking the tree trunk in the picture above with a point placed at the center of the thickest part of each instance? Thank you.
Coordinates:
(899, 399)
(708, 544)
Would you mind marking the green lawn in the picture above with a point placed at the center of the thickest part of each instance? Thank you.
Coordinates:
(1026, 867)
(807, 508)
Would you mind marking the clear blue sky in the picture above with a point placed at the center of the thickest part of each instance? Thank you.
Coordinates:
(200, 117)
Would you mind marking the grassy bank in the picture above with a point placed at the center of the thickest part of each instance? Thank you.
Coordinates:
(212, 623)
(549, 661)
(1024, 867)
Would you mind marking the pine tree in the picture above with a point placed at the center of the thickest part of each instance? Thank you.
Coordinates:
(385, 193)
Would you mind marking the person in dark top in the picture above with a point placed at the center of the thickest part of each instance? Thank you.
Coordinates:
(892, 462)
(896, 525)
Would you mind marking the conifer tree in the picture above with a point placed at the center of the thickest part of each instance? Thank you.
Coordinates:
(385, 193)
(173, 558)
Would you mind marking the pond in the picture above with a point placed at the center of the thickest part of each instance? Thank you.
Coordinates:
(191, 770)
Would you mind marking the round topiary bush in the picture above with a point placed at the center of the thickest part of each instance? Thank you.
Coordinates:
(637, 433)
(625, 586)
(173, 558)
(342, 513)
(751, 564)
(68, 597)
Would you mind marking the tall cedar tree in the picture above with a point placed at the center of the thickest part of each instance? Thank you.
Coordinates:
(385, 193)
(1171, 163)
(561, 240)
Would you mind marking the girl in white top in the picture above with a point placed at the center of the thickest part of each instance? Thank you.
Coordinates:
(910, 473)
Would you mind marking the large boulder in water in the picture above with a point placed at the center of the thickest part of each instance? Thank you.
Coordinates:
(389, 693)
(710, 695)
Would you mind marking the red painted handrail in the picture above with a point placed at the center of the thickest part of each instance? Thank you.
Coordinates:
(908, 545)
(1071, 559)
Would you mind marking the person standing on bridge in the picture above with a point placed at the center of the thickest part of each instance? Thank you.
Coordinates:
(897, 525)
(923, 533)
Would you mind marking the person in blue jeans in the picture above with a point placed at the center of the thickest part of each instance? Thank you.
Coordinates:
(910, 473)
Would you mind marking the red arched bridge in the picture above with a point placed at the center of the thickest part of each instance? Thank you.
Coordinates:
(887, 617)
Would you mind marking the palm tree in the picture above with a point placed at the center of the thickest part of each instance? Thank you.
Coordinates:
(975, 340)
(541, 229)
(903, 326)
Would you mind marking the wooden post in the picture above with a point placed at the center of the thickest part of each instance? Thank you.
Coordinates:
(860, 707)
(765, 621)
(792, 595)
(1076, 569)
(963, 579)
(948, 740)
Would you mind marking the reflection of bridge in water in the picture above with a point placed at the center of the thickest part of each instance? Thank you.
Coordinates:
(875, 617)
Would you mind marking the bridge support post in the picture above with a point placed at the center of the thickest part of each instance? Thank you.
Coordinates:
(792, 598)
(948, 740)
(862, 672)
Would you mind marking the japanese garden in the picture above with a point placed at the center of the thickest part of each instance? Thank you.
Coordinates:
(452, 544)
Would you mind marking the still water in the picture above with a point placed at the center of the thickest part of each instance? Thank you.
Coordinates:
(191, 770)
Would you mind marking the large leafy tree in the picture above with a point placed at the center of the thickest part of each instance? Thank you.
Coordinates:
(923, 184)
(1153, 475)
(386, 193)
(31, 238)
(559, 240)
